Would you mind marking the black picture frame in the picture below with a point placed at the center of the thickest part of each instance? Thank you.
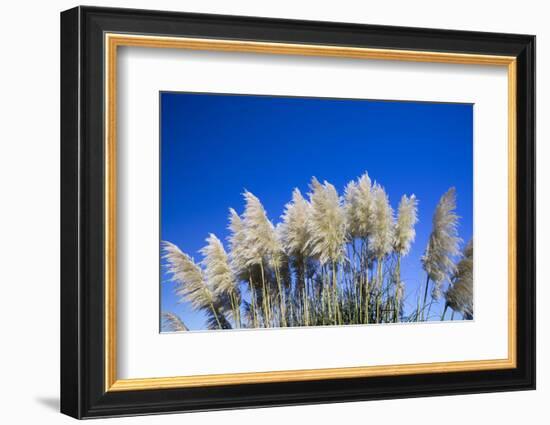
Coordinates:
(83, 392)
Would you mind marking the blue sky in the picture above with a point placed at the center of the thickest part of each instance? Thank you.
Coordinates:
(213, 146)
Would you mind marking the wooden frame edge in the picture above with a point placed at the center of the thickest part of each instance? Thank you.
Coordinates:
(114, 40)
(306, 375)
(512, 212)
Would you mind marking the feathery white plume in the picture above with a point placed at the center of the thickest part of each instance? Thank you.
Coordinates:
(260, 236)
(404, 228)
(192, 286)
(383, 223)
(461, 293)
(239, 253)
(217, 269)
(327, 224)
(443, 244)
(173, 322)
(294, 230)
(359, 207)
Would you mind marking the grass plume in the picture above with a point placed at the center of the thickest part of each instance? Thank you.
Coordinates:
(331, 260)
(460, 295)
(173, 323)
(443, 243)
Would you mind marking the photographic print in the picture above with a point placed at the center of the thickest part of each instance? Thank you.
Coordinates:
(302, 193)
(297, 211)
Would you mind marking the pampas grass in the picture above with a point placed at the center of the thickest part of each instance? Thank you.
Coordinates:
(217, 269)
(404, 235)
(360, 208)
(460, 295)
(443, 244)
(294, 234)
(260, 236)
(327, 229)
(383, 223)
(191, 284)
(173, 323)
(404, 228)
(240, 254)
(382, 238)
(189, 277)
(239, 258)
(265, 249)
(331, 260)
(219, 274)
(294, 229)
(327, 225)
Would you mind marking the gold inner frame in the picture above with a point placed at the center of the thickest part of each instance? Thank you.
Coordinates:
(113, 41)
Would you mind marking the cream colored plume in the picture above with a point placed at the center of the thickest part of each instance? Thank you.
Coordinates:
(294, 230)
(217, 268)
(173, 322)
(261, 239)
(404, 227)
(383, 223)
(239, 254)
(443, 243)
(461, 293)
(359, 207)
(192, 286)
(327, 224)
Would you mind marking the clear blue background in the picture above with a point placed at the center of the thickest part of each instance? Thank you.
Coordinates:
(213, 146)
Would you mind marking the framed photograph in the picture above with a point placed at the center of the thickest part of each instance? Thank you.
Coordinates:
(261, 212)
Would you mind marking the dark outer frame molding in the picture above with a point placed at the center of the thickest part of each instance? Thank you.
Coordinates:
(82, 212)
